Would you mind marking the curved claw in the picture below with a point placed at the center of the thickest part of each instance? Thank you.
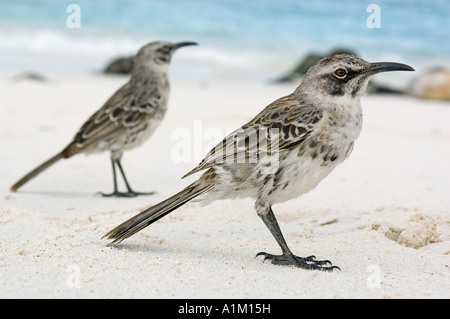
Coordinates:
(320, 262)
(323, 262)
(335, 267)
(309, 262)
(266, 255)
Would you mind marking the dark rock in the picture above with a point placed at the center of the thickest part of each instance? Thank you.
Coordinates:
(122, 65)
(375, 88)
(434, 84)
(32, 76)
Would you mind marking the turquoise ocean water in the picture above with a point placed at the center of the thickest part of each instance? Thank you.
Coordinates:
(260, 37)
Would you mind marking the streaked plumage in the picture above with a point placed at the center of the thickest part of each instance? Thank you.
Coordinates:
(282, 153)
(129, 116)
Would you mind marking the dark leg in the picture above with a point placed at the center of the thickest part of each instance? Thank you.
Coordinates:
(116, 193)
(288, 258)
(130, 192)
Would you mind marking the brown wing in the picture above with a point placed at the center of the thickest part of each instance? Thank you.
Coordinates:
(281, 126)
(128, 107)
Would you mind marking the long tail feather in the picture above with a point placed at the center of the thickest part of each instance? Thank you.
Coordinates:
(152, 214)
(36, 171)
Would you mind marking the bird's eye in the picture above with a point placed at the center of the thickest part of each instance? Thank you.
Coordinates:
(340, 73)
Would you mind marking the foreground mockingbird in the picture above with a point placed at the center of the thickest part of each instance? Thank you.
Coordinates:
(284, 152)
(128, 118)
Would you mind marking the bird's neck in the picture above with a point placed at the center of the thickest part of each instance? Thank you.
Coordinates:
(150, 76)
(150, 67)
(347, 108)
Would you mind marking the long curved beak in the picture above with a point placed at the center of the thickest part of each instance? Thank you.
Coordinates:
(378, 67)
(183, 44)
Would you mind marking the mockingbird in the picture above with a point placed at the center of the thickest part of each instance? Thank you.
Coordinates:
(128, 118)
(282, 153)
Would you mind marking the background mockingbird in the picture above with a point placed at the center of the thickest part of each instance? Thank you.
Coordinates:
(128, 118)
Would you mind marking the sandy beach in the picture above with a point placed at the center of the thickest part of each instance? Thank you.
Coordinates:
(382, 216)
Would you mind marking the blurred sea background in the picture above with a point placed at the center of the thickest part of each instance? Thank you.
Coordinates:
(249, 39)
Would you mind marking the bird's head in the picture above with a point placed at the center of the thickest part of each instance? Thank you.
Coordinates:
(344, 76)
(157, 54)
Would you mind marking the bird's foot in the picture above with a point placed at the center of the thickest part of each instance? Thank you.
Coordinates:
(309, 262)
(125, 194)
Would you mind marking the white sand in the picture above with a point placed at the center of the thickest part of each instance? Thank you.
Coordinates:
(382, 216)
